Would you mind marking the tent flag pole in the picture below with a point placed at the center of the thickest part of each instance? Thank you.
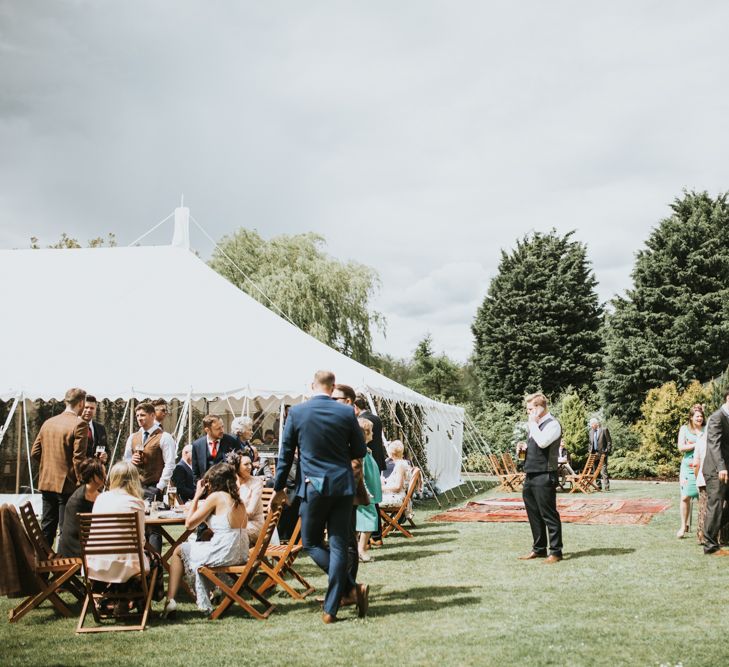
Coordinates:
(27, 444)
(118, 435)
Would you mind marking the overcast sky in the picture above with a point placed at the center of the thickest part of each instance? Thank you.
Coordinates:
(421, 138)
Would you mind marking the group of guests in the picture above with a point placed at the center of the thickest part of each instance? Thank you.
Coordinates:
(704, 444)
(227, 471)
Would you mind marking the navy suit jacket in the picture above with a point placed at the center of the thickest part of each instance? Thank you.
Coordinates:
(182, 477)
(201, 459)
(328, 437)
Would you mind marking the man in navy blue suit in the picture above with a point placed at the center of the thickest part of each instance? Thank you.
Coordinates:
(212, 447)
(328, 437)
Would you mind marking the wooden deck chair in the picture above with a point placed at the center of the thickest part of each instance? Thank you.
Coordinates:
(278, 562)
(243, 575)
(392, 515)
(578, 481)
(267, 495)
(504, 479)
(516, 478)
(115, 534)
(51, 573)
(590, 481)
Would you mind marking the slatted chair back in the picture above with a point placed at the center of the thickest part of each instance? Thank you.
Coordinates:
(267, 495)
(243, 574)
(120, 534)
(496, 465)
(514, 479)
(591, 478)
(392, 516)
(30, 522)
(279, 561)
(579, 481)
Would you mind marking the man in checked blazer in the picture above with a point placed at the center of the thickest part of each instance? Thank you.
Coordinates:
(59, 448)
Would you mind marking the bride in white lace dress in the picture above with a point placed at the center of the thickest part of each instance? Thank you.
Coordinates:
(226, 516)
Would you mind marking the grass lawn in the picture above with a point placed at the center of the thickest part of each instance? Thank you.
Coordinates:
(454, 595)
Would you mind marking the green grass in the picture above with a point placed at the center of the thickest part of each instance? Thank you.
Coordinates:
(454, 595)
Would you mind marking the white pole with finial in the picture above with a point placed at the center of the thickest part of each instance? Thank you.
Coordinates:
(181, 237)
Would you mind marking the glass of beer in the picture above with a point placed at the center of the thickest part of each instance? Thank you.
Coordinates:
(171, 494)
(100, 450)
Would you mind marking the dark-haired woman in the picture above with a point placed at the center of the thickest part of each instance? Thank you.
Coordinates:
(688, 437)
(226, 516)
(91, 477)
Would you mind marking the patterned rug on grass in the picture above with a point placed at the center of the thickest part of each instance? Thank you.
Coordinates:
(572, 510)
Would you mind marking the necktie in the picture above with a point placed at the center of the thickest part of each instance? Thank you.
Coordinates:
(145, 437)
(595, 447)
(214, 448)
(91, 437)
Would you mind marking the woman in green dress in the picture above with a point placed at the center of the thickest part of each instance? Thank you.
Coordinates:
(688, 436)
(367, 514)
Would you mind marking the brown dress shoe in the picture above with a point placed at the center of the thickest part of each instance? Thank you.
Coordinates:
(363, 599)
(553, 558)
(531, 555)
(328, 618)
(719, 552)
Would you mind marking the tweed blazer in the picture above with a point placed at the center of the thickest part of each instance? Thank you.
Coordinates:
(60, 447)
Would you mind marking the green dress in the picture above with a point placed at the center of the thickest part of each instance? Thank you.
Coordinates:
(367, 514)
(687, 477)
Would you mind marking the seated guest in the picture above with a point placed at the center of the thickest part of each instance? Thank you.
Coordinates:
(251, 493)
(394, 487)
(269, 444)
(225, 514)
(564, 459)
(367, 515)
(124, 495)
(242, 428)
(91, 477)
(182, 475)
(211, 448)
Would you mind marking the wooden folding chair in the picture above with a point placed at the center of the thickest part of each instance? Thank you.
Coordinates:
(516, 478)
(278, 561)
(267, 495)
(590, 481)
(578, 481)
(242, 575)
(115, 534)
(51, 572)
(505, 480)
(392, 515)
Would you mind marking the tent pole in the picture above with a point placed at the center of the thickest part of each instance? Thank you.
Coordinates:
(19, 428)
(131, 416)
(189, 422)
(27, 444)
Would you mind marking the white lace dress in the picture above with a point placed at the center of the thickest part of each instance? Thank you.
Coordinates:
(229, 546)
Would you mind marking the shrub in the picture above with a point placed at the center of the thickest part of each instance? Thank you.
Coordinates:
(631, 466)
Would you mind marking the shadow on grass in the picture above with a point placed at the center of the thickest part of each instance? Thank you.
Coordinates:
(422, 541)
(603, 551)
(421, 599)
(411, 554)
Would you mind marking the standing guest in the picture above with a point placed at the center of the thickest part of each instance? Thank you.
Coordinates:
(91, 477)
(60, 447)
(182, 475)
(251, 493)
(540, 486)
(226, 515)
(699, 456)
(161, 410)
(211, 448)
(600, 443)
(242, 429)
(716, 476)
(377, 447)
(153, 452)
(367, 515)
(688, 437)
(97, 432)
(328, 437)
(124, 495)
(394, 487)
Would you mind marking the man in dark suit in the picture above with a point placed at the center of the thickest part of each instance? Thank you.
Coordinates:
(97, 431)
(717, 478)
(182, 475)
(327, 437)
(59, 448)
(601, 443)
(211, 448)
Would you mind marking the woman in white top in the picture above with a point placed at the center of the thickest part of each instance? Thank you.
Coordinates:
(124, 495)
(251, 493)
(394, 487)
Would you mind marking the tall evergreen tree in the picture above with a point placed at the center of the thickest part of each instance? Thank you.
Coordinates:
(436, 376)
(674, 324)
(538, 327)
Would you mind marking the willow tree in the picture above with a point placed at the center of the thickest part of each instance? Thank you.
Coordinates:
(294, 276)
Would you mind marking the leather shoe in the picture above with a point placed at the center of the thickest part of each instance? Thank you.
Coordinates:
(328, 618)
(363, 599)
(719, 552)
(552, 558)
(531, 555)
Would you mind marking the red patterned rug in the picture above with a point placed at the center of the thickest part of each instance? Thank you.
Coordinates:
(571, 510)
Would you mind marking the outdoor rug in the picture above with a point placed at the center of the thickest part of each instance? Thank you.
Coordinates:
(572, 510)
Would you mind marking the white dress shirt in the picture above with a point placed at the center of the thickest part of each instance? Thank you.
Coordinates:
(549, 434)
(169, 453)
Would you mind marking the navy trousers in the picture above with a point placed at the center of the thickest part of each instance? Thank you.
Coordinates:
(540, 499)
(335, 514)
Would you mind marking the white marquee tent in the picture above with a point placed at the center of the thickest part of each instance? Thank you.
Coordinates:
(91, 318)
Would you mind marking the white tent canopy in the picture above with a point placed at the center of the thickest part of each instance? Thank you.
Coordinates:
(92, 318)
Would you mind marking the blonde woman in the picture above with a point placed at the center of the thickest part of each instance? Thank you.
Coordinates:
(688, 437)
(124, 495)
(394, 487)
(367, 514)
